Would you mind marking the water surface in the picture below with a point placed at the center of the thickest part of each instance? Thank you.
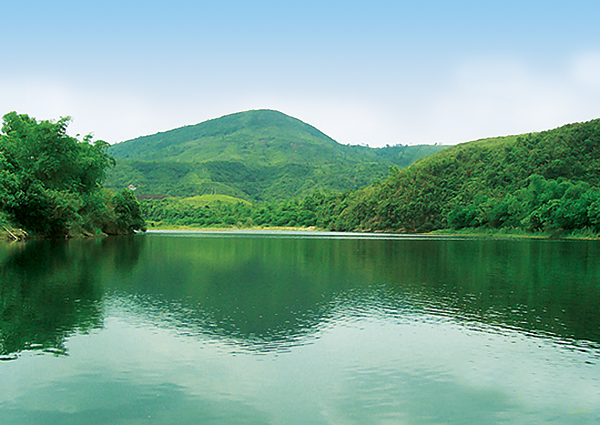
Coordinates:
(293, 328)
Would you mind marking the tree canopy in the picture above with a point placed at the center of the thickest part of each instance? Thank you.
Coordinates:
(50, 182)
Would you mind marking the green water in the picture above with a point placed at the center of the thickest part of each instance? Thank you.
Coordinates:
(299, 328)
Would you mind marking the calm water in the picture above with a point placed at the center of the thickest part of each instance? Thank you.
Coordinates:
(284, 328)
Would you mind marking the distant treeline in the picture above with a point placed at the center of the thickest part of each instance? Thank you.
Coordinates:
(50, 183)
(311, 211)
(541, 182)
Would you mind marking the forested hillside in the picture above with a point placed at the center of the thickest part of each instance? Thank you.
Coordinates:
(260, 155)
(540, 182)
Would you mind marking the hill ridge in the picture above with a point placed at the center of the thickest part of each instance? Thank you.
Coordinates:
(548, 180)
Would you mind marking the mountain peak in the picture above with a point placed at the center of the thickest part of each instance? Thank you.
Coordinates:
(262, 135)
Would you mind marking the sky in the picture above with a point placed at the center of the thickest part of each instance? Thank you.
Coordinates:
(363, 72)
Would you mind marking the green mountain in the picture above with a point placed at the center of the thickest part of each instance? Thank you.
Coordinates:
(260, 155)
(547, 181)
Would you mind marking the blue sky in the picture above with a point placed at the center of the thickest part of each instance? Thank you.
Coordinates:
(377, 72)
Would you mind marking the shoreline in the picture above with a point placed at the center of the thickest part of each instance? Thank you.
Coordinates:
(18, 235)
(471, 233)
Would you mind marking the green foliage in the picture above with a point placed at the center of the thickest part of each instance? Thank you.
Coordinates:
(126, 212)
(538, 182)
(262, 156)
(50, 183)
(541, 182)
(221, 211)
(545, 182)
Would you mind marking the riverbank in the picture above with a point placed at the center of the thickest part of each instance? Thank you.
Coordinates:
(152, 226)
(579, 234)
(582, 234)
(12, 234)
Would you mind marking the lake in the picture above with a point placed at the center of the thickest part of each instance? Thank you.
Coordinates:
(299, 328)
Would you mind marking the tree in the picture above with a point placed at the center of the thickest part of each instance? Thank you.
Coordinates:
(50, 182)
(127, 214)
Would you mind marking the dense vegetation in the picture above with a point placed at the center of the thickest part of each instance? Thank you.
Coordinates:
(542, 182)
(222, 211)
(50, 183)
(545, 181)
(255, 155)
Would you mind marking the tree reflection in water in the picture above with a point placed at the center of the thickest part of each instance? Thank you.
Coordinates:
(268, 292)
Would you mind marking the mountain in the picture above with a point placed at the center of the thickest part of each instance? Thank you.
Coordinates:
(254, 155)
(262, 137)
(547, 181)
